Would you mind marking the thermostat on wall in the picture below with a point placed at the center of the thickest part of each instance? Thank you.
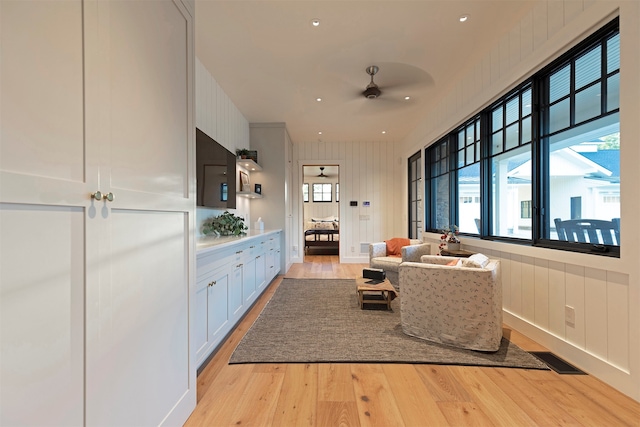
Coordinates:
(353, 203)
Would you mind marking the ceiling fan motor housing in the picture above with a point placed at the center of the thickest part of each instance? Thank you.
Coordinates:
(372, 90)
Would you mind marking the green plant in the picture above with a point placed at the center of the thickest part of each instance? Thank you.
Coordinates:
(242, 152)
(226, 224)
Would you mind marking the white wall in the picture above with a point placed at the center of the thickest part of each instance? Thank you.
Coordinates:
(218, 117)
(538, 283)
(369, 171)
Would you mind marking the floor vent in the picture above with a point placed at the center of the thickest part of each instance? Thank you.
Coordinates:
(557, 364)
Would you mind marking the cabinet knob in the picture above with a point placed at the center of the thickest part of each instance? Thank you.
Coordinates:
(251, 247)
(258, 257)
(99, 196)
(238, 252)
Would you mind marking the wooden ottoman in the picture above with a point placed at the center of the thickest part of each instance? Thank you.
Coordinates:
(373, 292)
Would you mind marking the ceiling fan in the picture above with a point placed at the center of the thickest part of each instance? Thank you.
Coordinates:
(322, 175)
(372, 91)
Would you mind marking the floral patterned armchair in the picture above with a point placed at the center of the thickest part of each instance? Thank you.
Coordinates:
(457, 305)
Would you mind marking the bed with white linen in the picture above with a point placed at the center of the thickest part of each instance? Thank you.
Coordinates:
(322, 233)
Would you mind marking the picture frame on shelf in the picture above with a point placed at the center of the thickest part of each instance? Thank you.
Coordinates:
(258, 188)
(244, 181)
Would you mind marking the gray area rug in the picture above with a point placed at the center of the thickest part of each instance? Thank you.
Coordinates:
(318, 320)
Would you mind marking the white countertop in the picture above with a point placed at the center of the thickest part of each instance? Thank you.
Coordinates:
(211, 243)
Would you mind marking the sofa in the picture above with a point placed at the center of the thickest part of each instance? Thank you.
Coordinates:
(452, 301)
(389, 254)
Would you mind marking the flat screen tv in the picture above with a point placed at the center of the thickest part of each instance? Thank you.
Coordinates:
(215, 173)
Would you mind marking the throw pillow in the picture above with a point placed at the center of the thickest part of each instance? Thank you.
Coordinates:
(394, 246)
(476, 261)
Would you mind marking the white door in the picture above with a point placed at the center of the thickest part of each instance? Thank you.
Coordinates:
(44, 203)
(138, 355)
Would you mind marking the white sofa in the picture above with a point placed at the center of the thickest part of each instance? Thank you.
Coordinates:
(455, 305)
(378, 257)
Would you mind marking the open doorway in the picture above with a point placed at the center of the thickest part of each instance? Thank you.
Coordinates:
(321, 209)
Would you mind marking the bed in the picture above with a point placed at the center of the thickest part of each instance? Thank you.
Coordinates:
(322, 233)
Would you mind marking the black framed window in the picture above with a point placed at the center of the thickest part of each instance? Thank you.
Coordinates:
(467, 172)
(322, 192)
(545, 153)
(415, 195)
(337, 192)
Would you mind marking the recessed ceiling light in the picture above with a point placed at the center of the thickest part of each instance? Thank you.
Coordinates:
(315, 22)
(320, 133)
(318, 99)
(406, 98)
(384, 131)
(463, 18)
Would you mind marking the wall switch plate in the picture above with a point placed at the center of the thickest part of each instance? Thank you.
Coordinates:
(569, 315)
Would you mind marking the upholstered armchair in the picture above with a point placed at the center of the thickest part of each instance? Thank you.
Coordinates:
(458, 305)
(389, 254)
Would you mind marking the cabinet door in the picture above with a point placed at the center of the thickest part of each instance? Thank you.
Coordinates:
(235, 291)
(261, 273)
(249, 280)
(44, 205)
(218, 305)
(139, 368)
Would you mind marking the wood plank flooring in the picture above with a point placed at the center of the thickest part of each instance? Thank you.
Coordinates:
(396, 395)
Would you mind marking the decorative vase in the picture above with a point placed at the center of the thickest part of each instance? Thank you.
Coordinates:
(453, 246)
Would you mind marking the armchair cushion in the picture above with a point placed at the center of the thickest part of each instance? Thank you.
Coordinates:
(379, 258)
(476, 260)
(394, 246)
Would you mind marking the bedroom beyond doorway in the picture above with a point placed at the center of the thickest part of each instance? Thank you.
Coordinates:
(321, 201)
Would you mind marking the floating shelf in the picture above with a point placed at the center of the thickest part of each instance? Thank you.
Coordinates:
(249, 194)
(249, 164)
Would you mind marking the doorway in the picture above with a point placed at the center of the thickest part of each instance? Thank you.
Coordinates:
(321, 210)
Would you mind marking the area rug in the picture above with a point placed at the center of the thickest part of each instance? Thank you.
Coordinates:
(318, 320)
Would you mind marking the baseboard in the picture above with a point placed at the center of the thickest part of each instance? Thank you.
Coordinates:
(615, 376)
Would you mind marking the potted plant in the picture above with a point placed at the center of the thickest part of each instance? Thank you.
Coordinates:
(242, 153)
(449, 238)
(226, 224)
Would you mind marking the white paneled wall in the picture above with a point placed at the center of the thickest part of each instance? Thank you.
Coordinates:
(369, 171)
(539, 284)
(218, 117)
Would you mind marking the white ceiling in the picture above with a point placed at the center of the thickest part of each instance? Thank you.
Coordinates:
(273, 64)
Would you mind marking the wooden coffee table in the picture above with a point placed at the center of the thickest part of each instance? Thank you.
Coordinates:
(373, 292)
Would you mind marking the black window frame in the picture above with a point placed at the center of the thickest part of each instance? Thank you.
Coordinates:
(539, 150)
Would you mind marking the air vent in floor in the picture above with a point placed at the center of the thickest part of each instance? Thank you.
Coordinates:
(557, 364)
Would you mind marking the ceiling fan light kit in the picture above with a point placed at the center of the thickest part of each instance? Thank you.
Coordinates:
(372, 91)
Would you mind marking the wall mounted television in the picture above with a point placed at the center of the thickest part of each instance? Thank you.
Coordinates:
(215, 174)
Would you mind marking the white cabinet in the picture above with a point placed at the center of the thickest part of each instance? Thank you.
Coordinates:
(212, 309)
(230, 279)
(96, 96)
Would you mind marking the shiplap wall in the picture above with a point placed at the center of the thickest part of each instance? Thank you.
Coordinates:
(369, 171)
(218, 117)
(539, 283)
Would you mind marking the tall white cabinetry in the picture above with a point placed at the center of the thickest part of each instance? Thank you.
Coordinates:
(96, 212)
(273, 144)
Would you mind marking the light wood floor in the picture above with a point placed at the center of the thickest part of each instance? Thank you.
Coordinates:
(393, 395)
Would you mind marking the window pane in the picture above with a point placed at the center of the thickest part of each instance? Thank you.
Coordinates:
(588, 103)
(496, 143)
(559, 83)
(613, 92)
(496, 119)
(470, 154)
(511, 181)
(526, 102)
(513, 110)
(461, 141)
(613, 53)
(512, 139)
(526, 130)
(584, 180)
(588, 68)
(559, 116)
(441, 200)
(469, 198)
